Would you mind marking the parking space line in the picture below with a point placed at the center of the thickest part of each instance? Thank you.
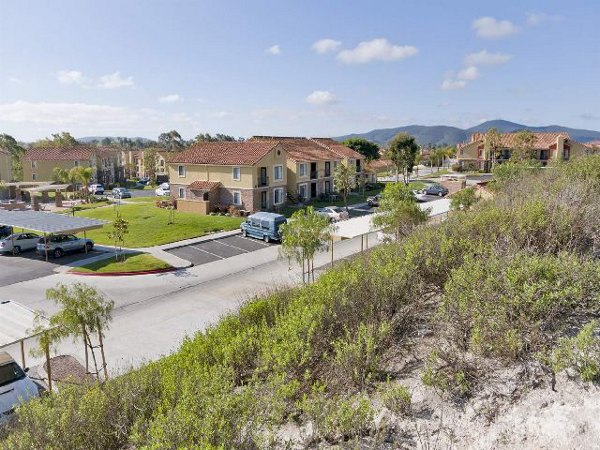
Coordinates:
(232, 246)
(255, 240)
(206, 251)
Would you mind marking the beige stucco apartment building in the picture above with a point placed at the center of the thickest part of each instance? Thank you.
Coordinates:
(39, 162)
(547, 147)
(250, 175)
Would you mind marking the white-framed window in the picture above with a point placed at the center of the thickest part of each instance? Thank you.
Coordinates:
(302, 170)
(335, 164)
(278, 173)
(181, 171)
(181, 192)
(302, 190)
(237, 198)
(236, 173)
(278, 196)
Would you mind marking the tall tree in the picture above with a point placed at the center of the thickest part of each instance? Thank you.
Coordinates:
(83, 313)
(368, 149)
(344, 178)
(305, 234)
(63, 139)
(403, 152)
(9, 143)
(493, 139)
(398, 211)
(524, 146)
(171, 140)
(150, 162)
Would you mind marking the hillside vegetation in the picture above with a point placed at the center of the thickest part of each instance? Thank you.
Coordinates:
(467, 316)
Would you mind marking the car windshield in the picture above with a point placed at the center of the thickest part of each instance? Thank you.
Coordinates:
(10, 373)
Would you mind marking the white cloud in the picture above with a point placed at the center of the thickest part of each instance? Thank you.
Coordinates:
(171, 98)
(450, 84)
(64, 114)
(114, 81)
(488, 27)
(323, 46)
(274, 50)
(70, 77)
(468, 73)
(321, 98)
(485, 58)
(376, 50)
(534, 19)
(220, 114)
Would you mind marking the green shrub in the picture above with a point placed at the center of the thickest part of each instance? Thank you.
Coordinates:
(463, 199)
(448, 375)
(581, 353)
(396, 398)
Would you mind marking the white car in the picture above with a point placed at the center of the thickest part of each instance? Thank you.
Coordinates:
(15, 386)
(96, 189)
(163, 190)
(420, 196)
(335, 213)
(19, 242)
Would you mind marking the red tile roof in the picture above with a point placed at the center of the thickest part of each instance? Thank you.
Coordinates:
(378, 164)
(224, 153)
(77, 152)
(592, 143)
(311, 149)
(543, 140)
(205, 185)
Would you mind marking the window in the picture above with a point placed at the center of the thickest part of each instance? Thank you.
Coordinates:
(278, 173)
(181, 192)
(335, 164)
(181, 171)
(278, 196)
(302, 191)
(237, 174)
(33, 176)
(33, 164)
(566, 153)
(237, 197)
(302, 170)
(76, 163)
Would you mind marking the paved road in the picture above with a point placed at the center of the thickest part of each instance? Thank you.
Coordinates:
(29, 266)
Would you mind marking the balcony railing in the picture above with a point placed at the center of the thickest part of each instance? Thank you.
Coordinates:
(263, 181)
(314, 174)
(327, 173)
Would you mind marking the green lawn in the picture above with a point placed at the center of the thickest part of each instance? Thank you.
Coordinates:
(86, 206)
(137, 262)
(148, 225)
(144, 199)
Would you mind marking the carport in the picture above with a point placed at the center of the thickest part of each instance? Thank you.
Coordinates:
(44, 190)
(48, 223)
(351, 228)
(17, 323)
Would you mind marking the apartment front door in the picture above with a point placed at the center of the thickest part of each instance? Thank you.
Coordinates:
(263, 200)
(313, 190)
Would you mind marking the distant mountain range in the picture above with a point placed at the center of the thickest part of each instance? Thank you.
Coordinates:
(440, 134)
(88, 139)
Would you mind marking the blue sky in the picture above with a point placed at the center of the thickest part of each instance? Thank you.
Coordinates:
(315, 68)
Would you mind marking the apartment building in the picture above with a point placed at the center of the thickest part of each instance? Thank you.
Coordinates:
(250, 175)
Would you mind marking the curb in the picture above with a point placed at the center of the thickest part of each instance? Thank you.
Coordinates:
(126, 274)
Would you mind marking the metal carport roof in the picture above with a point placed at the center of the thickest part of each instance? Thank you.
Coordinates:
(17, 323)
(47, 223)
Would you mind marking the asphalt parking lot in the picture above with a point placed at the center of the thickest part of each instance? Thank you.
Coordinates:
(28, 265)
(216, 249)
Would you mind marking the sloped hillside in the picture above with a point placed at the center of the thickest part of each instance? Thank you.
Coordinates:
(479, 332)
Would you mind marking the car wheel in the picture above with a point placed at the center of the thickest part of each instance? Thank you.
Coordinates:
(245, 233)
(440, 194)
(58, 253)
(266, 238)
(89, 246)
(16, 250)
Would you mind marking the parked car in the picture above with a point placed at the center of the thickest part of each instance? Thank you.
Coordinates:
(15, 386)
(121, 193)
(374, 200)
(419, 196)
(163, 190)
(59, 244)
(5, 231)
(263, 225)
(144, 181)
(96, 189)
(436, 189)
(22, 242)
(335, 213)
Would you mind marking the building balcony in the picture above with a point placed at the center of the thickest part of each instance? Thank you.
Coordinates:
(263, 181)
(314, 175)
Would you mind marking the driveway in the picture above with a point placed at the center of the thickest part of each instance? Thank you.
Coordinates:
(29, 266)
(217, 249)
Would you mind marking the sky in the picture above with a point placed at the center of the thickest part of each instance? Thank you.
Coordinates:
(301, 68)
